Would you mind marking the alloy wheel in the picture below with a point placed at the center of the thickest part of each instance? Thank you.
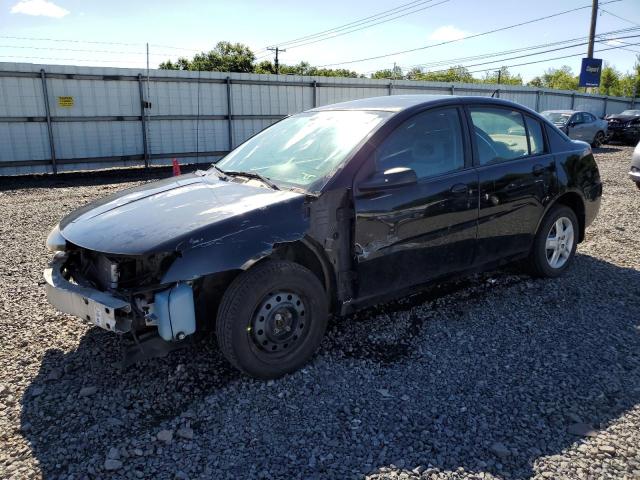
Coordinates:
(559, 244)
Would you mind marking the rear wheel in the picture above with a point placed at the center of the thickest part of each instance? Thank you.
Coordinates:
(555, 243)
(272, 319)
(598, 139)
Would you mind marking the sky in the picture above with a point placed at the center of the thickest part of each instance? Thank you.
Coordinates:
(115, 32)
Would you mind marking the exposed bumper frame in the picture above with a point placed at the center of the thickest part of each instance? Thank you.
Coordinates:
(91, 305)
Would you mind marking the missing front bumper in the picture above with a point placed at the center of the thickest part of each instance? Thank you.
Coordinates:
(91, 305)
(171, 311)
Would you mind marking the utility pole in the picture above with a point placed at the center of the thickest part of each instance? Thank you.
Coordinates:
(592, 29)
(499, 76)
(277, 50)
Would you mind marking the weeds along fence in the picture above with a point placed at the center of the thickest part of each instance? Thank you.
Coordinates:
(57, 118)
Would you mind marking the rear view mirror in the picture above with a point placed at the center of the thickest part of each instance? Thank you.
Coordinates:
(394, 177)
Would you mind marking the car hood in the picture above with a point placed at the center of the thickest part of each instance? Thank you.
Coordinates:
(176, 214)
(624, 118)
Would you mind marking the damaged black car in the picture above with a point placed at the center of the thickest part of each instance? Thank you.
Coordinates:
(324, 213)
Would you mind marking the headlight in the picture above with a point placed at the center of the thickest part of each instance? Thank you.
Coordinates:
(55, 241)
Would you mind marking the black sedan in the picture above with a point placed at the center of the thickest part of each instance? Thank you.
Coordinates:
(323, 213)
(625, 126)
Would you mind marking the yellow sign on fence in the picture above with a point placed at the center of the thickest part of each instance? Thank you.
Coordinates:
(65, 102)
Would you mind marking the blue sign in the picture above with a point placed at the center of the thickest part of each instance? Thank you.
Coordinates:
(590, 72)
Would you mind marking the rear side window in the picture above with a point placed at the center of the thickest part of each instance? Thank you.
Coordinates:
(430, 143)
(536, 138)
(500, 134)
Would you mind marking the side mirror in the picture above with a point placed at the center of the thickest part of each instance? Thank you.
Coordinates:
(571, 124)
(394, 177)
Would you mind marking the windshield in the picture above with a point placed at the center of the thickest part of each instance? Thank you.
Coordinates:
(635, 113)
(305, 148)
(557, 117)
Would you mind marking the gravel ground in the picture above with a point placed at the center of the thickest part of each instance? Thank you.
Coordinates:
(496, 376)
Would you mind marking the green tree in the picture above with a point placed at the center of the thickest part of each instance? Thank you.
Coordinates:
(560, 78)
(225, 57)
(181, 64)
(535, 82)
(506, 77)
(450, 75)
(387, 73)
(630, 82)
(609, 81)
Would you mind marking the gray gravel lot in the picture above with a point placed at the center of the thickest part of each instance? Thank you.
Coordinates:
(496, 376)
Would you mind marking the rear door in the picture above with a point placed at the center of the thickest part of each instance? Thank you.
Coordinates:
(410, 234)
(516, 175)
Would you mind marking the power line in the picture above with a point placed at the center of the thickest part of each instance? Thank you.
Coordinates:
(354, 23)
(508, 27)
(334, 35)
(524, 49)
(71, 41)
(369, 26)
(528, 55)
(58, 58)
(73, 49)
(619, 17)
(549, 59)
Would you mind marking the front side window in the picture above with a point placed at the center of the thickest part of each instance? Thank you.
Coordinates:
(500, 134)
(430, 143)
(303, 150)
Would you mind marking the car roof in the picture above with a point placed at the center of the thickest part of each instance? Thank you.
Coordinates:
(398, 103)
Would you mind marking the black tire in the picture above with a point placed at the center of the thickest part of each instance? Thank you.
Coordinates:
(240, 311)
(539, 262)
(598, 139)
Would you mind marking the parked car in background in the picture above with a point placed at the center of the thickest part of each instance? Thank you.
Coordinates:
(625, 126)
(326, 212)
(579, 125)
(634, 173)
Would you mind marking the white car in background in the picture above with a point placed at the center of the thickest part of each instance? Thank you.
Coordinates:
(634, 173)
(579, 125)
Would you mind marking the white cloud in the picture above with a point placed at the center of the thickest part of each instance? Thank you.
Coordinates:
(39, 8)
(447, 33)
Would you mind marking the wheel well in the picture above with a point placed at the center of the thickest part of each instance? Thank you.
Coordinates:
(575, 203)
(302, 253)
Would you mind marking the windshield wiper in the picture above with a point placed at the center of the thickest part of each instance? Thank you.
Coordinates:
(221, 173)
(255, 175)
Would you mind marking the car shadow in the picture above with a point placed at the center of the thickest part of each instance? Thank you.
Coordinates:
(572, 355)
(608, 149)
(88, 178)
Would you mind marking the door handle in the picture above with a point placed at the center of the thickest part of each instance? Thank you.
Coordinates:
(538, 170)
(459, 188)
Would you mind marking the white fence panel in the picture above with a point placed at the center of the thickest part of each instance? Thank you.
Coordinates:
(97, 118)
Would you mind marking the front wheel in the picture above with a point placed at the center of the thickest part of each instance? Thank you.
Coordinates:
(555, 243)
(598, 140)
(272, 319)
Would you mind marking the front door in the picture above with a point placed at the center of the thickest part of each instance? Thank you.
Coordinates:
(410, 234)
(578, 128)
(517, 176)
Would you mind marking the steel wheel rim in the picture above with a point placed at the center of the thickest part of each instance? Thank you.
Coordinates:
(559, 244)
(280, 322)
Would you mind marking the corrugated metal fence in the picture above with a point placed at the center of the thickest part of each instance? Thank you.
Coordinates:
(61, 118)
